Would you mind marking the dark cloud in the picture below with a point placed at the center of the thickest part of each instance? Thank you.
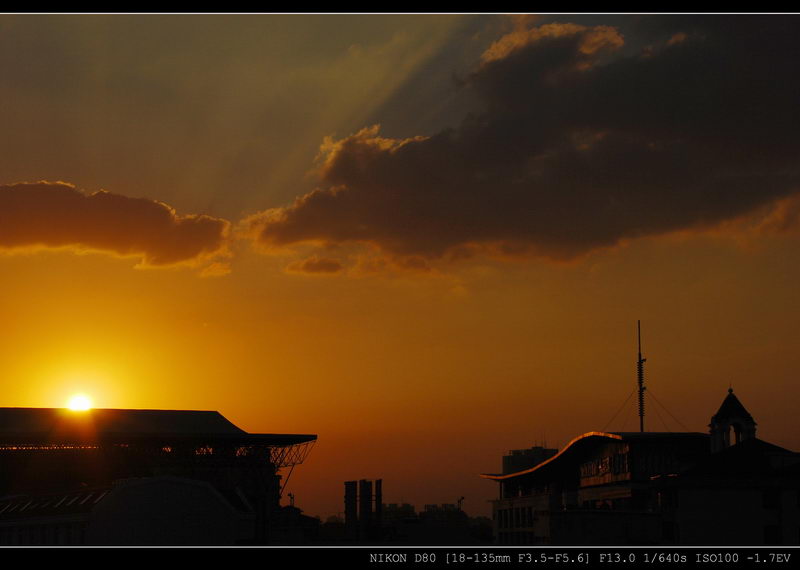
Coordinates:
(589, 136)
(782, 216)
(317, 265)
(56, 214)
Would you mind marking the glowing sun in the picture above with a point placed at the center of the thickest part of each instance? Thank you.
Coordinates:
(79, 403)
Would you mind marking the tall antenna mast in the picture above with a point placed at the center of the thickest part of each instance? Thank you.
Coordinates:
(640, 376)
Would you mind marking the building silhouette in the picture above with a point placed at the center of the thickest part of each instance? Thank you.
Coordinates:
(521, 459)
(726, 487)
(146, 477)
(369, 521)
(732, 419)
(363, 509)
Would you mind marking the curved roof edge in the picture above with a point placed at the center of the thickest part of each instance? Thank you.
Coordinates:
(600, 434)
(618, 436)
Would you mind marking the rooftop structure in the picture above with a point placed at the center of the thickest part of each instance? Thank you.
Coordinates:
(43, 426)
(656, 488)
(45, 452)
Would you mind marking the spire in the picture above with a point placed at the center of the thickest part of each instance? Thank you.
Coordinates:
(731, 409)
(732, 416)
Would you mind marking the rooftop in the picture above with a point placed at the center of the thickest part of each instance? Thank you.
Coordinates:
(731, 408)
(41, 426)
(592, 438)
(753, 457)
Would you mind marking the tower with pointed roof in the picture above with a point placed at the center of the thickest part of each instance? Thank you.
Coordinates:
(731, 424)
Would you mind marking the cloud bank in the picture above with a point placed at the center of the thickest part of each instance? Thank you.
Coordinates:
(57, 215)
(316, 265)
(586, 139)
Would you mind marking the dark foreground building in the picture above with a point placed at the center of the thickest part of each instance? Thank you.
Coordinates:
(726, 487)
(144, 477)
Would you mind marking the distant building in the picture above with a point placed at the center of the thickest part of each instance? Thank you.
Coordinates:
(521, 459)
(394, 511)
(363, 509)
(368, 521)
(143, 477)
(445, 524)
(627, 488)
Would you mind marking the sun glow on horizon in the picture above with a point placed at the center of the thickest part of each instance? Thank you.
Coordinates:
(79, 403)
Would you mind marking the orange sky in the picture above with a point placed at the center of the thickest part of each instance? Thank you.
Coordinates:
(422, 377)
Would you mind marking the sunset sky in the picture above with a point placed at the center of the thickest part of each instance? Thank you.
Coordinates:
(425, 238)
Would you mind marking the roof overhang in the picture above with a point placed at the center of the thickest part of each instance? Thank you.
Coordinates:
(592, 438)
(60, 427)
